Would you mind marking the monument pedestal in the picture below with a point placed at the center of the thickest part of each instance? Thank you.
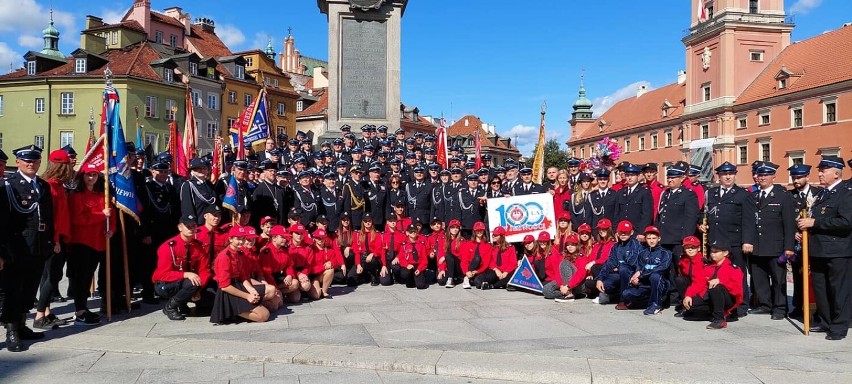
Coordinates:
(363, 59)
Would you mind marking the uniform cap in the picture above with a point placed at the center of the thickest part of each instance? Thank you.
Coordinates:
(691, 241)
(574, 162)
(625, 226)
(188, 220)
(604, 224)
(726, 167)
(198, 162)
(602, 173)
(544, 236)
(59, 157)
(411, 228)
(499, 231)
(573, 239)
(831, 162)
(454, 223)
(768, 168)
(478, 226)
(630, 168)
(528, 239)
(211, 209)
(238, 231)
(651, 229)
(584, 228)
(319, 234)
(649, 166)
(28, 153)
(564, 216)
(266, 219)
(473, 176)
(799, 170)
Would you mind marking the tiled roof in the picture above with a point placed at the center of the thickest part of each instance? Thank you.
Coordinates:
(459, 128)
(637, 112)
(133, 61)
(131, 25)
(207, 44)
(159, 17)
(820, 60)
(318, 108)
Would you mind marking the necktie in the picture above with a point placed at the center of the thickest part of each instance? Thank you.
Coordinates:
(802, 195)
(725, 191)
(762, 197)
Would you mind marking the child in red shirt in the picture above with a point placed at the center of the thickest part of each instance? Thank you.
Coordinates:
(326, 259)
(690, 268)
(504, 261)
(239, 295)
(475, 255)
(721, 288)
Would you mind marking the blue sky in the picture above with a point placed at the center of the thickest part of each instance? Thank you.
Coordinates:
(488, 58)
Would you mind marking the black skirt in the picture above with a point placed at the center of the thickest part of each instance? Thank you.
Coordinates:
(227, 308)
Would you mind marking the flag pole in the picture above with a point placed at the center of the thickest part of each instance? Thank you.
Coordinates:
(127, 292)
(108, 79)
(806, 278)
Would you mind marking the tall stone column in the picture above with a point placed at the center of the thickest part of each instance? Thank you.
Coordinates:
(363, 59)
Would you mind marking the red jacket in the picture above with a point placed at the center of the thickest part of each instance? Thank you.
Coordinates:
(61, 218)
(320, 256)
(413, 253)
(469, 250)
(729, 276)
(558, 198)
(391, 242)
(88, 223)
(220, 239)
(301, 258)
(361, 245)
(598, 254)
(505, 261)
(231, 264)
(697, 263)
(455, 250)
(274, 260)
(657, 190)
(552, 272)
(171, 256)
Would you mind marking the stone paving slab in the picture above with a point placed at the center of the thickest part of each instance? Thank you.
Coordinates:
(385, 359)
(619, 371)
(419, 333)
(534, 368)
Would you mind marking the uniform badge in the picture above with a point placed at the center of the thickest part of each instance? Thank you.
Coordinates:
(24, 202)
(822, 210)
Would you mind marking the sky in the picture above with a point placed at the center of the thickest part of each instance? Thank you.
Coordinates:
(491, 59)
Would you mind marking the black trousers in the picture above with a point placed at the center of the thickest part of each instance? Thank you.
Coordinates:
(371, 269)
(453, 268)
(490, 277)
(770, 283)
(81, 270)
(798, 288)
(739, 259)
(182, 291)
(18, 285)
(715, 301)
(832, 280)
(681, 284)
(50, 276)
(673, 297)
(407, 277)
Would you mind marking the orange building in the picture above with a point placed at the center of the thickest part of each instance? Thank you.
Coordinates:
(747, 92)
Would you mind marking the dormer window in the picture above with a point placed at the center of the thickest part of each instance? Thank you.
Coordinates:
(80, 66)
(193, 69)
(665, 108)
(31, 67)
(169, 75)
(601, 125)
(782, 83)
(240, 72)
(785, 77)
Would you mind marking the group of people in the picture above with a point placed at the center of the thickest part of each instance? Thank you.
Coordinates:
(285, 223)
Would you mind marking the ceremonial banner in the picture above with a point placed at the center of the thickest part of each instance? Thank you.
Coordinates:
(522, 215)
(120, 174)
(525, 277)
(189, 129)
(701, 153)
(254, 122)
(538, 158)
(441, 134)
(477, 146)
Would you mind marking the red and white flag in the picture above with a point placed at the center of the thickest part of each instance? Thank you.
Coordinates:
(702, 11)
(477, 143)
(189, 129)
(441, 151)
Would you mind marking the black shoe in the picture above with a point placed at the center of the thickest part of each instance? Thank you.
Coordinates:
(717, 324)
(510, 288)
(171, 311)
(44, 323)
(184, 309)
(25, 333)
(680, 313)
(58, 299)
(742, 311)
(832, 336)
(819, 328)
(87, 318)
(759, 311)
(485, 286)
(778, 316)
(13, 340)
(796, 314)
(374, 282)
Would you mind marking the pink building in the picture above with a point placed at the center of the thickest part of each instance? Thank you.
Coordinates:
(746, 89)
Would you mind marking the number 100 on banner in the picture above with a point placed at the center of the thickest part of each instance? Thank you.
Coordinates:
(522, 215)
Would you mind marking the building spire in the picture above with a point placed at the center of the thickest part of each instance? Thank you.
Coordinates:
(270, 52)
(583, 106)
(51, 40)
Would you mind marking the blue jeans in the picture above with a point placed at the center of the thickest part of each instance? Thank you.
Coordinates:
(651, 289)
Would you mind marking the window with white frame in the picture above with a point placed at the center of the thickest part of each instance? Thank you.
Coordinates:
(231, 122)
(66, 138)
(151, 138)
(31, 67)
(196, 98)
(764, 117)
(795, 157)
(193, 69)
(281, 109)
(742, 152)
(232, 97)
(705, 91)
(249, 61)
(796, 117)
(279, 130)
(753, 6)
(626, 145)
(765, 149)
(829, 109)
(38, 141)
(66, 103)
(114, 35)
(669, 138)
(212, 101)
(169, 75)
(39, 105)
(247, 99)
(641, 143)
(583, 152)
(173, 40)
(275, 83)
(171, 109)
(654, 141)
(782, 83)
(166, 138)
(756, 56)
(742, 122)
(150, 106)
(212, 129)
(705, 131)
(158, 37)
(300, 106)
(267, 81)
(240, 72)
(79, 65)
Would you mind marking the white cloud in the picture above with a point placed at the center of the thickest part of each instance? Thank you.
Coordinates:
(8, 56)
(524, 137)
(802, 7)
(28, 17)
(603, 103)
(28, 41)
(110, 16)
(230, 35)
(261, 39)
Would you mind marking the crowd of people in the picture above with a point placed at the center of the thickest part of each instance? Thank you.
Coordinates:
(383, 210)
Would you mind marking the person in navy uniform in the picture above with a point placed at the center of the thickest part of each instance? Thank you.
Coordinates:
(574, 171)
(776, 230)
(419, 198)
(650, 281)
(306, 199)
(197, 193)
(26, 239)
(602, 200)
(268, 197)
(634, 203)
(469, 205)
(804, 196)
(830, 249)
(731, 220)
(527, 186)
(3, 159)
(376, 196)
(354, 197)
(677, 217)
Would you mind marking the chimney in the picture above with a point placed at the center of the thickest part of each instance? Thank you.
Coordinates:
(643, 89)
(93, 21)
(142, 14)
(207, 25)
(466, 123)
(681, 77)
(186, 20)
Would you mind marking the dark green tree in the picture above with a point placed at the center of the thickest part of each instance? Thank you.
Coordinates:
(554, 156)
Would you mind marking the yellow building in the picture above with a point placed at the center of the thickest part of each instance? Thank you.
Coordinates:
(281, 96)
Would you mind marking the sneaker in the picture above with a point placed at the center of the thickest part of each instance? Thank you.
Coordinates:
(56, 320)
(44, 323)
(450, 283)
(564, 299)
(466, 283)
(602, 299)
(87, 318)
(485, 286)
(622, 306)
(653, 309)
(719, 324)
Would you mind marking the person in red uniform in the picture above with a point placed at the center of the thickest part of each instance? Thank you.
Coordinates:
(475, 255)
(591, 263)
(413, 258)
(239, 295)
(326, 259)
(690, 268)
(391, 240)
(721, 288)
(90, 222)
(277, 266)
(301, 256)
(266, 224)
(563, 229)
(402, 222)
(530, 251)
(183, 270)
(213, 237)
(59, 172)
(586, 239)
(649, 171)
(692, 183)
(449, 267)
(504, 261)
(367, 248)
(544, 249)
(559, 271)
(434, 241)
(561, 192)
